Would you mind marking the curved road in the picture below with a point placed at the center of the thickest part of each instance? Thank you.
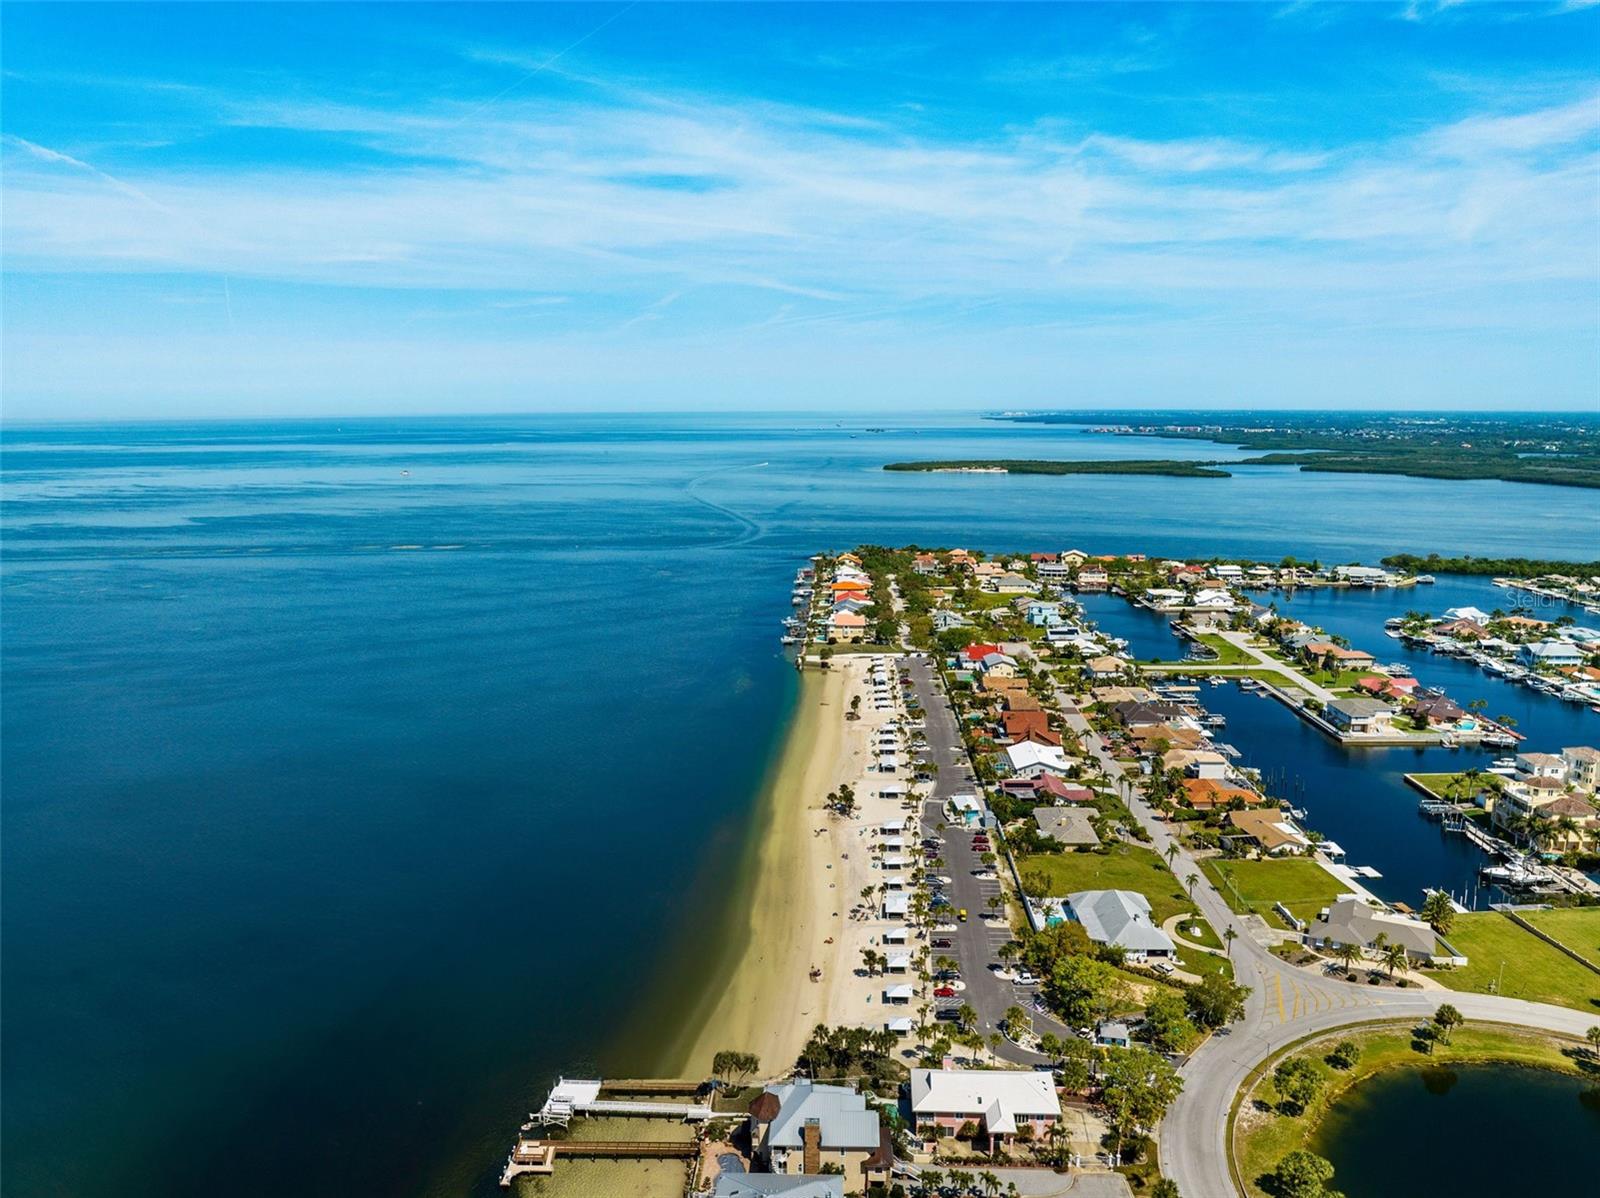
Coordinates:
(1285, 1004)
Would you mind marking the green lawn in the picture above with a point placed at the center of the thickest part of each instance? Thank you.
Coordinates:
(1125, 867)
(1254, 886)
(1576, 927)
(1532, 969)
(1228, 654)
(1261, 1136)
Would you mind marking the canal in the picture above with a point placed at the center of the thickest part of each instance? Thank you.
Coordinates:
(1359, 797)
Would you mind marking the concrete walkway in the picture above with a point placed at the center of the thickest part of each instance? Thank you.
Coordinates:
(1241, 642)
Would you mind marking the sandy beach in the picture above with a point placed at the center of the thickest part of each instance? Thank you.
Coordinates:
(808, 870)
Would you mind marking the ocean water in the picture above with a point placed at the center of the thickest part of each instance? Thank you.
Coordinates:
(358, 775)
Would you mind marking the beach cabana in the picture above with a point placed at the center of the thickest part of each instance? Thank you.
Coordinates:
(896, 862)
(899, 963)
(897, 935)
(900, 1026)
(896, 904)
(898, 995)
(891, 827)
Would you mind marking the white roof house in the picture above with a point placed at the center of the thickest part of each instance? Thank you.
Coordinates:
(1028, 757)
(898, 994)
(895, 904)
(999, 1097)
(1476, 615)
(897, 935)
(1119, 917)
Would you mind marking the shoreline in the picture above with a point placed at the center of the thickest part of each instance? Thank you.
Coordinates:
(754, 993)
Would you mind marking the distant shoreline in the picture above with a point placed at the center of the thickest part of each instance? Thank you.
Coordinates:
(1165, 467)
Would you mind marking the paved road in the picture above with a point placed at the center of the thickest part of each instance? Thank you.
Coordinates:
(1241, 642)
(1285, 1004)
(974, 943)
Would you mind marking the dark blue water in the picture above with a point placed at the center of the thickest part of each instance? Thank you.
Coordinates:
(357, 774)
(1400, 1133)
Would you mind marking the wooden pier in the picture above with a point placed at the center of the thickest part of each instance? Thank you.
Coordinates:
(538, 1157)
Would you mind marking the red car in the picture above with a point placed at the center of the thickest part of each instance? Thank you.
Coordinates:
(945, 992)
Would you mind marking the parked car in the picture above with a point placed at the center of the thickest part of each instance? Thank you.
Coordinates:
(950, 1013)
(942, 942)
(945, 992)
(962, 915)
(1024, 978)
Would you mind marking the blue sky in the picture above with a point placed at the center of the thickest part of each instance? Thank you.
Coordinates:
(341, 209)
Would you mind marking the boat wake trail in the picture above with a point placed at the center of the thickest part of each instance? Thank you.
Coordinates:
(752, 530)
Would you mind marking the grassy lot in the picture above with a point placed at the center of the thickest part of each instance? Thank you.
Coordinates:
(1576, 927)
(1203, 963)
(1228, 654)
(1261, 1136)
(1254, 886)
(1125, 867)
(1533, 969)
(1259, 673)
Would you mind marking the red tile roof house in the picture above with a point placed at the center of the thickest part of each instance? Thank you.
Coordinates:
(973, 654)
(1046, 786)
(1386, 688)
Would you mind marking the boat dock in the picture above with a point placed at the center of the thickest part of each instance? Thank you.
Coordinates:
(581, 1096)
(538, 1157)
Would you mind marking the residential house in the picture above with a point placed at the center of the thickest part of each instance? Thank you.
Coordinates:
(964, 810)
(944, 620)
(1268, 831)
(1029, 757)
(1211, 599)
(925, 563)
(1092, 578)
(1359, 716)
(1552, 654)
(1583, 767)
(1476, 614)
(1120, 918)
(999, 1101)
(1462, 630)
(1351, 920)
(1196, 763)
(1072, 826)
(1165, 598)
(1113, 1033)
(1207, 794)
(998, 665)
(1057, 572)
(1012, 584)
(1542, 765)
(1437, 711)
(1074, 557)
(1131, 713)
(847, 626)
(1041, 613)
(974, 654)
(1336, 657)
(1580, 818)
(1106, 667)
(1149, 738)
(1228, 573)
(803, 1127)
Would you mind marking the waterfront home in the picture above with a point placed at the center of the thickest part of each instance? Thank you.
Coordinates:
(803, 1127)
(1461, 630)
(1270, 832)
(1208, 794)
(1041, 613)
(1117, 917)
(1359, 716)
(1541, 765)
(1074, 557)
(847, 626)
(1196, 763)
(1211, 599)
(1131, 713)
(1362, 575)
(1351, 920)
(1153, 738)
(985, 571)
(1101, 668)
(1029, 757)
(1337, 657)
(925, 563)
(1476, 614)
(776, 1185)
(1000, 1102)
(1437, 711)
(1569, 822)
(1228, 573)
(1012, 584)
(1583, 767)
(1164, 598)
(1552, 654)
(1092, 578)
(1056, 572)
(1071, 826)
(1020, 700)
(1045, 786)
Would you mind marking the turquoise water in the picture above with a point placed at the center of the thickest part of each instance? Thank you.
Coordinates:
(1409, 1131)
(357, 774)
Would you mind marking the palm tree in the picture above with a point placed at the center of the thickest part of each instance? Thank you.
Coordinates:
(1347, 954)
(990, 1183)
(1230, 936)
(1172, 851)
(1190, 882)
(1395, 957)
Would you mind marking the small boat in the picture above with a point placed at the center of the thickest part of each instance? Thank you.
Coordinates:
(1397, 669)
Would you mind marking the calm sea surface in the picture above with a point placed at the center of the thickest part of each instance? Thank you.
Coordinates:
(358, 775)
